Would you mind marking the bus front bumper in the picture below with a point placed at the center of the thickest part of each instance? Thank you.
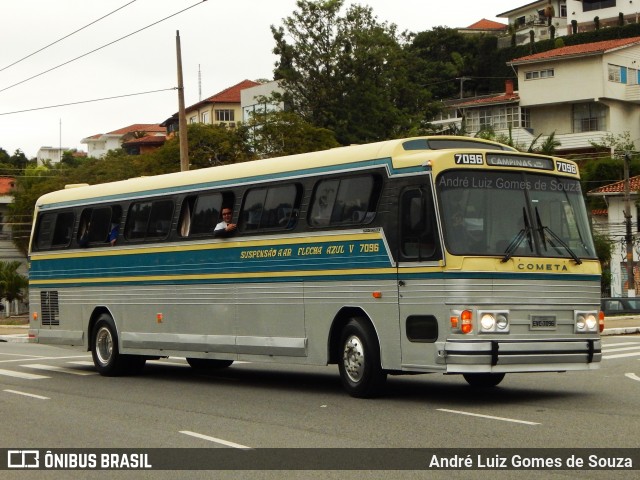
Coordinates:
(504, 356)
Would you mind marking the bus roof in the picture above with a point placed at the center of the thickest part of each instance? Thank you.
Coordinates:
(403, 153)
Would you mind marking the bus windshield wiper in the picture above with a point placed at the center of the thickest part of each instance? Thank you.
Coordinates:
(547, 232)
(522, 234)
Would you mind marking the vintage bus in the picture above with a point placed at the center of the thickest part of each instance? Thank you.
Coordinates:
(433, 254)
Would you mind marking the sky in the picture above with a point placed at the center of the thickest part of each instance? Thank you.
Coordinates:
(222, 43)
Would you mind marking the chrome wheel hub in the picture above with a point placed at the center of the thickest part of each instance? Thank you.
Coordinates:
(104, 345)
(353, 358)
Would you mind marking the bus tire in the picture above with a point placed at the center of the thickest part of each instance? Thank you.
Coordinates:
(106, 355)
(359, 363)
(483, 380)
(204, 364)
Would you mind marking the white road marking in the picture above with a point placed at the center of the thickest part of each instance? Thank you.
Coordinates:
(42, 358)
(27, 376)
(621, 349)
(55, 368)
(632, 376)
(490, 417)
(19, 355)
(607, 345)
(216, 440)
(621, 355)
(84, 363)
(32, 395)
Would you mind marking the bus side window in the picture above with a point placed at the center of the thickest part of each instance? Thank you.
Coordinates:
(345, 201)
(271, 208)
(201, 213)
(97, 223)
(418, 232)
(149, 220)
(54, 230)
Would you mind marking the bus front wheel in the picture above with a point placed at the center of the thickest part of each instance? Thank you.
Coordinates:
(483, 380)
(360, 367)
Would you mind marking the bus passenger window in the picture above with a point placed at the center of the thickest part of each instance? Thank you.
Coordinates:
(270, 208)
(345, 201)
(54, 230)
(97, 223)
(148, 220)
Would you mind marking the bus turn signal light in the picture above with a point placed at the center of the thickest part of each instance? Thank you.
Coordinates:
(466, 317)
(601, 321)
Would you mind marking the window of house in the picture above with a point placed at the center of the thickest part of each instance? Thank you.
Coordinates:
(520, 21)
(204, 117)
(193, 119)
(563, 10)
(345, 201)
(225, 115)
(96, 223)
(616, 73)
(271, 208)
(54, 230)
(538, 74)
(589, 5)
(632, 76)
(149, 220)
(589, 117)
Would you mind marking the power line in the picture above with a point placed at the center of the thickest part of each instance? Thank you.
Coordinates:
(66, 36)
(100, 48)
(88, 101)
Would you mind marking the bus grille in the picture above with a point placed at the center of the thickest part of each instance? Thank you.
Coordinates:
(49, 307)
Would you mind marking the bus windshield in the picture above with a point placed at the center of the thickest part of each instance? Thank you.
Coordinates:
(508, 213)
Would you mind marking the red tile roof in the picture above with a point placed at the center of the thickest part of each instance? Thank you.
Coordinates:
(578, 50)
(231, 94)
(147, 140)
(501, 98)
(6, 185)
(140, 127)
(485, 24)
(618, 187)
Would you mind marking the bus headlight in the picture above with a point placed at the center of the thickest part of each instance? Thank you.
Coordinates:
(494, 322)
(586, 322)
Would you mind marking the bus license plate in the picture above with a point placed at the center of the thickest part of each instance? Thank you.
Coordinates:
(543, 322)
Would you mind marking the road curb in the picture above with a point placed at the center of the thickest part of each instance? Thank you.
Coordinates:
(620, 331)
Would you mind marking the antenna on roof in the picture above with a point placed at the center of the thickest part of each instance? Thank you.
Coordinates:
(199, 84)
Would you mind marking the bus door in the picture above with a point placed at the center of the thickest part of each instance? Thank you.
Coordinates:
(420, 292)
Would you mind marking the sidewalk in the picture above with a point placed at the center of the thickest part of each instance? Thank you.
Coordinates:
(612, 326)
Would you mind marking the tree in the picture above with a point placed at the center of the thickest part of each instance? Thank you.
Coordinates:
(277, 133)
(347, 73)
(13, 285)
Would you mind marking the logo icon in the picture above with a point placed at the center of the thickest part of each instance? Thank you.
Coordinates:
(23, 459)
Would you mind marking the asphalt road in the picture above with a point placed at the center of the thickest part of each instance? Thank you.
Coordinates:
(52, 398)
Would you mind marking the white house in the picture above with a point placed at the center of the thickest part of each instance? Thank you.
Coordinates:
(98, 145)
(50, 154)
(615, 227)
(539, 16)
(581, 93)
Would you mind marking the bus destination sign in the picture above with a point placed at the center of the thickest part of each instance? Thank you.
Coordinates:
(502, 160)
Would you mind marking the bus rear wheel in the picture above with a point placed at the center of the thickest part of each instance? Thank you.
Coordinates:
(106, 356)
(483, 380)
(359, 363)
(204, 364)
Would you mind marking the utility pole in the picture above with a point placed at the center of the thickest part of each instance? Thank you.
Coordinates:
(182, 116)
(631, 286)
